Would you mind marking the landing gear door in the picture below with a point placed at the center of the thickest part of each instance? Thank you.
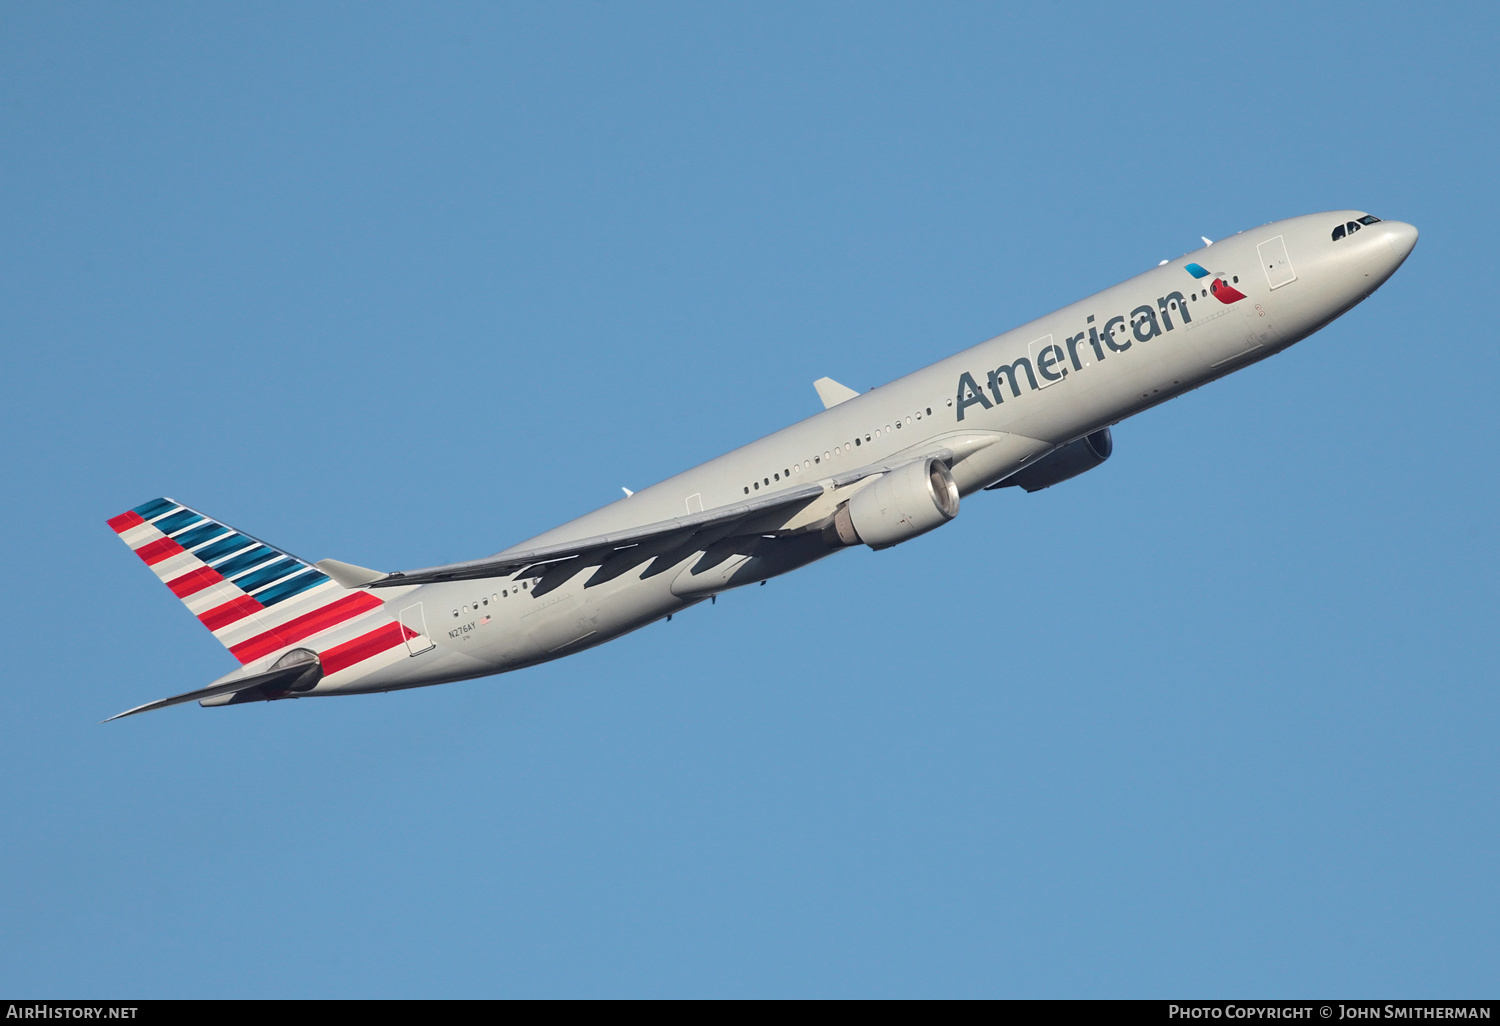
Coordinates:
(415, 630)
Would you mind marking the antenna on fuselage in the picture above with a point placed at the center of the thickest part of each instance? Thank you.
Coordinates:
(1206, 240)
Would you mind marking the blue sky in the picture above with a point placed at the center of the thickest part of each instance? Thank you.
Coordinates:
(401, 285)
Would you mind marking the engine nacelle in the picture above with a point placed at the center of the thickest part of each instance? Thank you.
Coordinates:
(1070, 460)
(900, 505)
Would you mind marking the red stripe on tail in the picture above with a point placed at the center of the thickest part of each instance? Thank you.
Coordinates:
(194, 581)
(305, 626)
(162, 548)
(125, 521)
(361, 648)
(233, 610)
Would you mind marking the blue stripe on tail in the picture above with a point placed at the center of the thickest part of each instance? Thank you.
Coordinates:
(266, 574)
(177, 521)
(154, 508)
(245, 560)
(200, 534)
(291, 586)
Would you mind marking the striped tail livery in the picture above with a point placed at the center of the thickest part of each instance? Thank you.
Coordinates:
(289, 624)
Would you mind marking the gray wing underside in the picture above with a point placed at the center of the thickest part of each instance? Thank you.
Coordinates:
(508, 562)
(719, 522)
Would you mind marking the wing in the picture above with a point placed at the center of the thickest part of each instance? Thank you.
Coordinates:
(511, 560)
(722, 521)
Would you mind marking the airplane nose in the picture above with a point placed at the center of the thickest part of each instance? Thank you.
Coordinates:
(1401, 237)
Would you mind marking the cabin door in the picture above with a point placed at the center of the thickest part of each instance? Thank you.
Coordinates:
(1275, 262)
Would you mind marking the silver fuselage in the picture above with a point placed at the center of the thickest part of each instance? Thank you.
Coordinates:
(1060, 377)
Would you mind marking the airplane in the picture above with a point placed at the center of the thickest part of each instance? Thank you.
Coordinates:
(1030, 408)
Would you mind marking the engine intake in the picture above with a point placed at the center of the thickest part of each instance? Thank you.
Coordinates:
(1064, 462)
(900, 505)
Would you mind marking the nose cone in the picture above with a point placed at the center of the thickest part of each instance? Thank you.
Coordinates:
(1401, 237)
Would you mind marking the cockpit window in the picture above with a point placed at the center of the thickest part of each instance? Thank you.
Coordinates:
(1351, 227)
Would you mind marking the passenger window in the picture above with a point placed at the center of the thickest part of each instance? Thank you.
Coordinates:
(1338, 233)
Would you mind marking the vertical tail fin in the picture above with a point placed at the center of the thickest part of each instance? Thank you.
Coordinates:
(255, 598)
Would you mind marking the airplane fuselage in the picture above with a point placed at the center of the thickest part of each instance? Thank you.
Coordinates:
(877, 468)
(999, 406)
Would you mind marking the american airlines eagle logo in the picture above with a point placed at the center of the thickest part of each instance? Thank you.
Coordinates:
(1220, 289)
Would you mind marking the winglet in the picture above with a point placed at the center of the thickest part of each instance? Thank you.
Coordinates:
(832, 393)
(347, 574)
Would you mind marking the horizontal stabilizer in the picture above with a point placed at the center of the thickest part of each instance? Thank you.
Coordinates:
(279, 679)
(347, 574)
(832, 393)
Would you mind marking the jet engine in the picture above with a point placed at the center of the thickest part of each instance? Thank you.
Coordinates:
(1067, 461)
(900, 505)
